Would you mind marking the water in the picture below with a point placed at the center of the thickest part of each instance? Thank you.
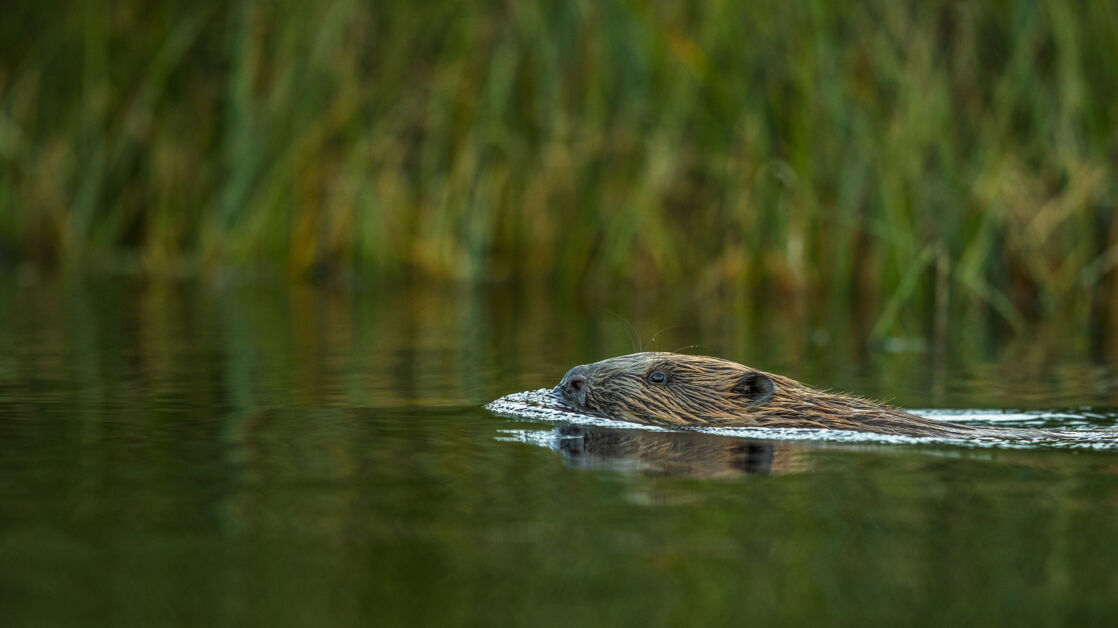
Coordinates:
(250, 453)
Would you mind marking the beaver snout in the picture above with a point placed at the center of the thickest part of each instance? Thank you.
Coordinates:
(574, 385)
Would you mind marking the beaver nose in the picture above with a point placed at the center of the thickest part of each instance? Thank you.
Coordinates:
(574, 384)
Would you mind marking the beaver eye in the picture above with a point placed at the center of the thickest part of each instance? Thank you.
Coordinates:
(658, 377)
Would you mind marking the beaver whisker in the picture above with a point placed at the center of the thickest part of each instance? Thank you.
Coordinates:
(635, 338)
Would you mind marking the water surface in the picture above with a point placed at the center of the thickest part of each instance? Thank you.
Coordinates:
(249, 452)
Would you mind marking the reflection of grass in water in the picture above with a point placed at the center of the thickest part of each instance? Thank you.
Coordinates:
(891, 154)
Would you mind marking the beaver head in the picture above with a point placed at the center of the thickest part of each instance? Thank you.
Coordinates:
(666, 388)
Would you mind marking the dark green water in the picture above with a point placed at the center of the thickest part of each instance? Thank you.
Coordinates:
(233, 453)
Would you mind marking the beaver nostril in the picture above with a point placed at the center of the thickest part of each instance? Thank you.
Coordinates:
(575, 384)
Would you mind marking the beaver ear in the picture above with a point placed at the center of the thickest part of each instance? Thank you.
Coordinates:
(758, 387)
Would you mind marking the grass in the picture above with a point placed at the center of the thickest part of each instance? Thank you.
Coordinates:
(894, 156)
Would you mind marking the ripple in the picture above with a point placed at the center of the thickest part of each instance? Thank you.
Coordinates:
(1086, 428)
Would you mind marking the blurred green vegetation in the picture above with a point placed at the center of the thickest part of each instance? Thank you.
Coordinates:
(899, 156)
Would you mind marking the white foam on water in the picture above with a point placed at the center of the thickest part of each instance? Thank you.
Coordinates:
(995, 416)
(1075, 430)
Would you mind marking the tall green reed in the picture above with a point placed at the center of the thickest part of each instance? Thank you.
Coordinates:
(885, 157)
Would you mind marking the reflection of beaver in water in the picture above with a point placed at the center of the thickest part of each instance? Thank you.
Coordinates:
(691, 454)
(672, 389)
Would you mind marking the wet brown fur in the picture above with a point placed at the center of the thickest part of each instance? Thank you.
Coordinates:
(710, 391)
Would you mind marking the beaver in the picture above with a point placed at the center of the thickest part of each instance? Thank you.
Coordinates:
(677, 390)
